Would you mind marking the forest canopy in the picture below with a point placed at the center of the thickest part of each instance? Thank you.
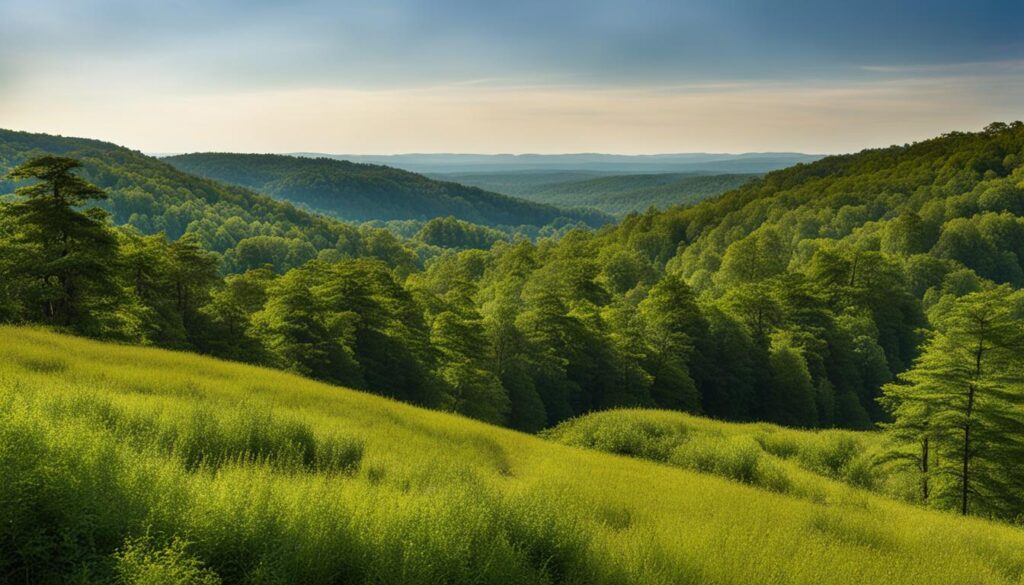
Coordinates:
(796, 298)
(364, 192)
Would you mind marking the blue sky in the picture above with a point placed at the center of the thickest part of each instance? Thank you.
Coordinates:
(457, 75)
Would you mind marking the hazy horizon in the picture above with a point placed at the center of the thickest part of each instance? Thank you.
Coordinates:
(452, 76)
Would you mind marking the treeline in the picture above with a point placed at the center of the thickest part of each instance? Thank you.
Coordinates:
(794, 299)
(522, 334)
(365, 192)
(248, 230)
(622, 194)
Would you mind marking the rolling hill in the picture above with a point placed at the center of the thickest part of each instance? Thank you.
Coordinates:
(618, 164)
(143, 465)
(363, 192)
(614, 194)
(250, 229)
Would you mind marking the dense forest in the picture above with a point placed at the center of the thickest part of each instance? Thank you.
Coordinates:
(363, 192)
(813, 297)
(247, 229)
(615, 194)
(599, 163)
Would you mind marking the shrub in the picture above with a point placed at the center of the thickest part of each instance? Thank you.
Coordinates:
(827, 452)
(738, 458)
(339, 454)
(621, 432)
(139, 562)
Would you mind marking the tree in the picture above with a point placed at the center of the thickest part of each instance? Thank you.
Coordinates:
(791, 397)
(473, 389)
(191, 275)
(229, 316)
(144, 262)
(760, 255)
(962, 405)
(673, 328)
(67, 257)
(293, 329)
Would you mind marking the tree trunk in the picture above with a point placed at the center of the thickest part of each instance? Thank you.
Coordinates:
(924, 469)
(965, 479)
(965, 473)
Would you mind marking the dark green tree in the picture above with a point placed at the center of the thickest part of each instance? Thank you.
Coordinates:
(961, 406)
(673, 326)
(65, 257)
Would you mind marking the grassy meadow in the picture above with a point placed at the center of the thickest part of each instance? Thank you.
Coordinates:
(135, 465)
(812, 464)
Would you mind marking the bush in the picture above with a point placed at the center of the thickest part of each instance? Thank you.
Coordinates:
(622, 433)
(738, 458)
(828, 453)
(140, 563)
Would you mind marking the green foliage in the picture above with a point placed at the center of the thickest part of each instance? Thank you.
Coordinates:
(156, 198)
(362, 192)
(791, 392)
(139, 562)
(773, 458)
(794, 298)
(449, 232)
(94, 492)
(615, 194)
(59, 258)
(959, 412)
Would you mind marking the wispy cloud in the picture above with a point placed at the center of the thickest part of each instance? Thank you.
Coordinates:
(532, 75)
(968, 68)
(806, 117)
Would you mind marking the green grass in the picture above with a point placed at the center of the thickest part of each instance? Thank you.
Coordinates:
(802, 463)
(136, 465)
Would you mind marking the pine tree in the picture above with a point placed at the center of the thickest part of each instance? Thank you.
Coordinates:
(961, 406)
(66, 257)
(673, 326)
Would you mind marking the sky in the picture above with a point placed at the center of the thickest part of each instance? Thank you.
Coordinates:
(515, 76)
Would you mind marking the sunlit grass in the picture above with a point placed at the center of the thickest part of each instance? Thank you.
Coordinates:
(769, 456)
(151, 466)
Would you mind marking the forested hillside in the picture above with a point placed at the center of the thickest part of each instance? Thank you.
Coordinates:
(622, 194)
(248, 229)
(822, 295)
(608, 164)
(362, 192)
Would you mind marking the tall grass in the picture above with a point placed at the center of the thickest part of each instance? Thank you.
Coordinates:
(775, 458)
(132, 465)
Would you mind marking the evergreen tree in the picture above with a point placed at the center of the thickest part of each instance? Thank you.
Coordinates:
(791, 398)
(294, 331)
(64, 257)
(961, 406)
(673, 327)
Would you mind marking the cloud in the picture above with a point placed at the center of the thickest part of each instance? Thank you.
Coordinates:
(532, 75)
(833, 117)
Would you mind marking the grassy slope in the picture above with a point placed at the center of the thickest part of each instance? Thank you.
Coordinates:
(800, 463)
(101, 442)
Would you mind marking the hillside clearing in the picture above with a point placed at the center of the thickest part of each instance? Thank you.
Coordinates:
(125, 459)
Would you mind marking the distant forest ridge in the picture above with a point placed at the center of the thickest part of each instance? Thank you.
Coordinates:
(364, 192)
(615, 194)
(751, 162)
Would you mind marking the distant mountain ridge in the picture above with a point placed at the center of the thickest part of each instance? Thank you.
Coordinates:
(615, 194)
(362, 192)
(751, 162)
